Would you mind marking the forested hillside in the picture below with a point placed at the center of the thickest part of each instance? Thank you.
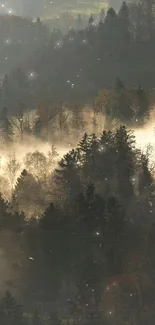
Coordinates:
(77, 172)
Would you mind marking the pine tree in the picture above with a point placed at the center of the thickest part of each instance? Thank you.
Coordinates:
(27, 194)
(7, 129)
(5, 93)
(17, 189)
(84, 153)
(93, 157)
(142, 104)
(102, 15)
(6, 126)
(106, 157)
(110, 35)
(146, 179)
(90, 210)
(91, 20)
(146, 189)
(125, 160)
(5, 216)
(111, 14)
(148, 6)
(123, 106)
(51, 218)
(69, 174)
(124, 24)
(119, 86)
(79, 22)
(23, 174)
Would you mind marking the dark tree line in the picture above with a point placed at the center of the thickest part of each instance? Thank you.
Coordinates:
(79, 64)
(20, 39)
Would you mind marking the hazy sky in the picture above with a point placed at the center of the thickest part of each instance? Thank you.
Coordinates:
(34, 6)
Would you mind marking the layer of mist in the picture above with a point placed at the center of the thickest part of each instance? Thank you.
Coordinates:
(41, 158)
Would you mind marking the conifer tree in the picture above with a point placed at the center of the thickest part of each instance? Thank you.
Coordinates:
(70, 174)
(90, 210)
(79, 22)
(146, 188)
(91, 20)
(84, 152)
(93, 157)
(125, 160)
(102, 15)
(37, 128)
(142, 104)
(51, 218)
(123, 102)
(110, 33)
(6, 126)
(5, 92)
(5, 216)
(7, 129)
(124, 24)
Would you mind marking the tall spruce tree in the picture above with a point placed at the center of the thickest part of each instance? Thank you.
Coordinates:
(6, 126)
(125, 160)
(124, 25)
(69, 174)
(146, 188)
(142, 104)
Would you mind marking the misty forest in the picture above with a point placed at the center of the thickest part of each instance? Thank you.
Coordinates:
(77, 168)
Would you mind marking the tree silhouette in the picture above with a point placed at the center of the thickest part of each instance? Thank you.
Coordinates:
(51, 218)
(124, 25)
(125, 159)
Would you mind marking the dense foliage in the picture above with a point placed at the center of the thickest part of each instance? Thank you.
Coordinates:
(79, 254)
(82, 62)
